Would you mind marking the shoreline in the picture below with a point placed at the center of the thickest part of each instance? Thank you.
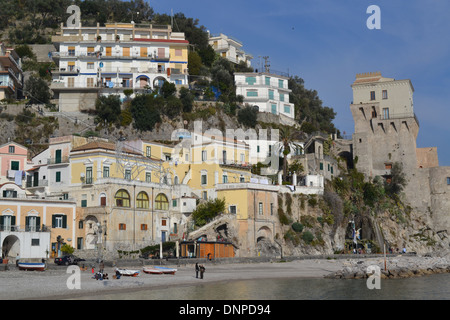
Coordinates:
(52, 283)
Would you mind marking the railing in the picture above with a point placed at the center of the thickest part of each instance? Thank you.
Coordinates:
(112, 55)
(37, 184)
(26, 228)
(399, 116)
(58, 160)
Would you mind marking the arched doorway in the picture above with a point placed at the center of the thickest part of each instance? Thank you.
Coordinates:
(264, 245)
(10, 247)
(91, 232)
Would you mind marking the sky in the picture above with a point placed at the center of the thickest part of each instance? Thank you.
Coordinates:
(327, 42)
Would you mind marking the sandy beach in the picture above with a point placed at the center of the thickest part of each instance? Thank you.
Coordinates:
(52, 283)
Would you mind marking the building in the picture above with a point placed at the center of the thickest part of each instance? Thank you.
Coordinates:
(11, 74)
(386, 129)
(107, 60)
(32, 227)
(230, 48)
(269, 92)
(13, 162)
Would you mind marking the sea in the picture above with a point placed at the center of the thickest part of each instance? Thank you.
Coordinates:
(431, 287)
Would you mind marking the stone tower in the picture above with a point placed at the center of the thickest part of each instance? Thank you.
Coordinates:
(386, 127)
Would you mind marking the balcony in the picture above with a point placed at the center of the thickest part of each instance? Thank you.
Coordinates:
(59, 160)
(24, 228)
(37, 183)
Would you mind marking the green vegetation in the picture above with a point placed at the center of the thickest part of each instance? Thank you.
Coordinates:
(207, 211)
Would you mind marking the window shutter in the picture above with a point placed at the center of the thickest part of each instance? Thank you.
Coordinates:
(13, 220)
(27, 223)
(53, 221)
(64, 222)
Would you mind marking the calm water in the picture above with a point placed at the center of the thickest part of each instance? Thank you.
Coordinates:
(433, 287)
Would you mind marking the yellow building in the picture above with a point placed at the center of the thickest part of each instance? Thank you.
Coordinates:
(35, 228)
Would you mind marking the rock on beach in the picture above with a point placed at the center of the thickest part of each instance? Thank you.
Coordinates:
(401, 266)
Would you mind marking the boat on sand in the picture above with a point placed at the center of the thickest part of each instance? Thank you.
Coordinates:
(38, 266)
(159, 270)
(128, 272)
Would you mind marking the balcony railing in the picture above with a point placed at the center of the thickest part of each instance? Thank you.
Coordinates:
(37, 183)
(61, 160)
(24, 228)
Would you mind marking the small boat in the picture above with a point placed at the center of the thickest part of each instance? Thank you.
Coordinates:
(38, 266)
(159, 270)
(128, 272)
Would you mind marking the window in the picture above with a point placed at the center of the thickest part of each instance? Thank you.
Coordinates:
(260, 208)
(205, 195)
(448, 181)
(127, 174)
(58, 156)
(372, 95)
(241, 179)
(271, 95)
(148, 151)
(384, 94)
(385, 113)
(122, 198)
(287, 109)
(102, 200)
(142, 200)
(11, 149)
(58, 176)
(90, 82)
(174, 203)
(144, 227)
(388, 166)
(90, 66)
(233, 209)
(9, 193)
(204, 155)
(163, 222)
(32, 223)
(89, 175)
(161, 202)
(224, 178)
(148, 177)
(71, 51)
(267, 79)
(122, 226)
(274, 109)
(271, 209)
(105, 172)
(252, 93)
(204, 178)
(178, 53)
(321, 166)
(59, 221)
(15, 165)
(282, 97)
(280, 83)
(34, 242)
(250, 80)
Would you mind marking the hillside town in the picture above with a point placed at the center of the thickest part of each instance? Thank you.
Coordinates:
(212, 192)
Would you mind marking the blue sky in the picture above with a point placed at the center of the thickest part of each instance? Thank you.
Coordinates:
(327, 42)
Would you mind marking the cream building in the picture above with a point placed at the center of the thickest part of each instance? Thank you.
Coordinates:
(230, 48)
(107, 60)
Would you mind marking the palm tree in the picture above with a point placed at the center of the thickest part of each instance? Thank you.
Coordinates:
(289, 138)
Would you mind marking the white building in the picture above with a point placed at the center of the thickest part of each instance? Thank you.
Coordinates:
(269, 92)
(230, 48)
(107, 60)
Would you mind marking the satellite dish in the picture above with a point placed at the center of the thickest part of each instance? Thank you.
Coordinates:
(82, 175)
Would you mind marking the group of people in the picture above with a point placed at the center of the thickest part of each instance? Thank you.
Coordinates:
(199, 268)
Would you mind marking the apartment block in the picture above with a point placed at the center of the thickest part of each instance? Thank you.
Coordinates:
(94, 61)
(269, 92)
(230, 48)
(11, 74)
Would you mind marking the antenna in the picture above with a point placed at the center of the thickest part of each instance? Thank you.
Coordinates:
(266, 64)
(171, 18)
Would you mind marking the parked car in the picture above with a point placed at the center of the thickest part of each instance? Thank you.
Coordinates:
(69, 259)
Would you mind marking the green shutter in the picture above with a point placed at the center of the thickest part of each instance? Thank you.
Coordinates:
(64, 222)
(58, 176)
(53, 221)
(321, 166)
(13, 220)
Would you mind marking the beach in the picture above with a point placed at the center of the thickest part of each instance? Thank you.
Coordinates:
(53, 283)
(61, 282)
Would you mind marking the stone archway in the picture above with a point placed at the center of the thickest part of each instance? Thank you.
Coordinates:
(91, 232)
(264, 243)
(10, 247)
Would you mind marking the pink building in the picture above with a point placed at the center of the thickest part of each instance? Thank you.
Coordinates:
(13, 161)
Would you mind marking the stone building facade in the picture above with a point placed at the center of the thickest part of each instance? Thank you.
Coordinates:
(386, 129)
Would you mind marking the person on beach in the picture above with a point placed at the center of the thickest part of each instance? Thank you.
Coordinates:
(196, 270)
(202, 271)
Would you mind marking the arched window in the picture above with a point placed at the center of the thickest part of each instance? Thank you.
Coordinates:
(122, 198)
(142, 200)
(161, 202)
(175, 180)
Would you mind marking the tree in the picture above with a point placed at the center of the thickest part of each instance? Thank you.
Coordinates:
(288, 137)
(248, 116)
(37, 90)
(108, 108)
(207, 211)
(145, 109)
(187, 99)
(194, 63)
(397, 182)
